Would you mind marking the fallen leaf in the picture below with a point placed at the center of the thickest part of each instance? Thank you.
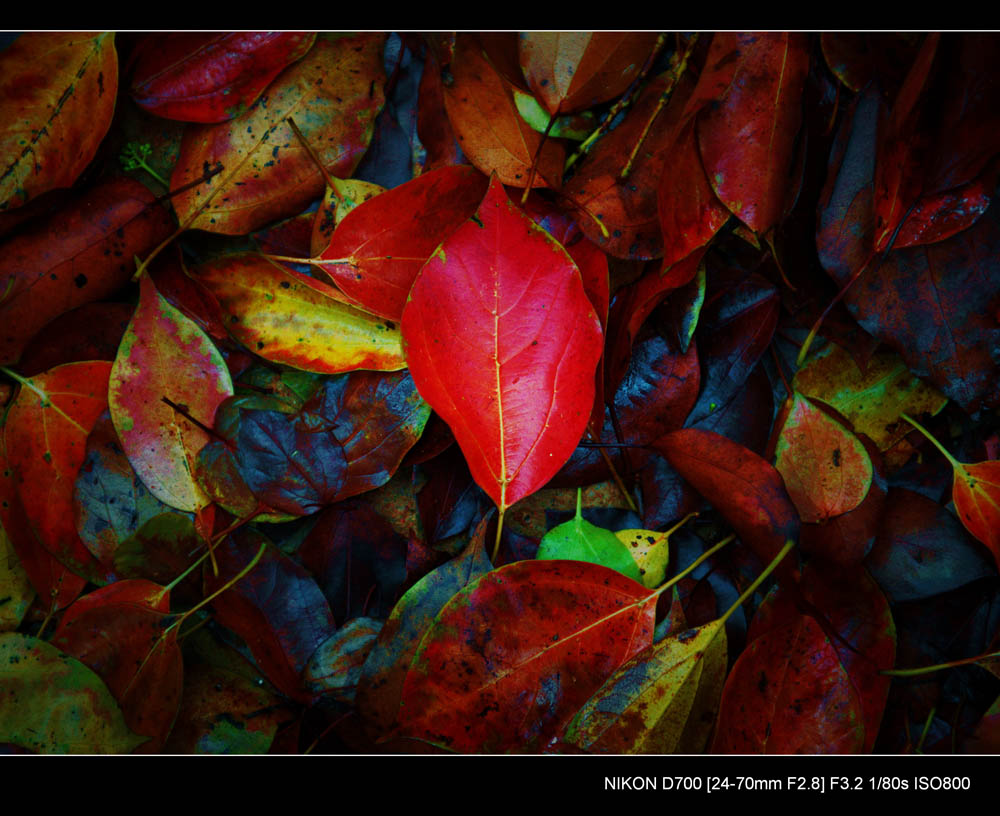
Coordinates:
(503, 343)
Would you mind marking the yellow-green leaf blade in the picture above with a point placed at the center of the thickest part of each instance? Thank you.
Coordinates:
(291, 319)
(51, 703)
(664, 700)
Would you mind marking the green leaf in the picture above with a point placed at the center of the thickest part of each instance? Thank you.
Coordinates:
(579, 540)
(51, 703)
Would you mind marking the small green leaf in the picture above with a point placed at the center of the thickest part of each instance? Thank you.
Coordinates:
(579, 540)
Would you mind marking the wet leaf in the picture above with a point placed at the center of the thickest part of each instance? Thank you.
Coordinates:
(57, 97)
(513, 372)
(481, 683)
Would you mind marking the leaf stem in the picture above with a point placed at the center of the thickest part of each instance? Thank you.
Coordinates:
(614, 471)
(938, 667)
(694, 564)
(676, 71)
(144, 265)
(760, 579)
(228, 585)
(623, 101)
(312, 153)
(954, 462)
(496, 544)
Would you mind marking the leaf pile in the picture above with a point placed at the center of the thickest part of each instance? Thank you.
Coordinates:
(540, 392)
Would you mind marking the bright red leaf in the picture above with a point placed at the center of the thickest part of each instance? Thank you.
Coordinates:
(383, 243)
(503, 343)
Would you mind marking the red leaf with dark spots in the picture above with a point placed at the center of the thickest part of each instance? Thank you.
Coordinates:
(789, 694)
(83, 253)
(480, 684)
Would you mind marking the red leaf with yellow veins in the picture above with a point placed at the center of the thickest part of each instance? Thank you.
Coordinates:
(57, 97)
(503, 343)
(290, 318)
(46, 438)
(511, 658)
(384, 242)
(333, 94)
(165, 355)
(825, 467)
(198, 77)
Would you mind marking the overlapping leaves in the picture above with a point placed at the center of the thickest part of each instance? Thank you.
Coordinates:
(291, 542)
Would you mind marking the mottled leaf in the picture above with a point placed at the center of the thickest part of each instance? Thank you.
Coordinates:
(57, 97)
(289, 318)
(51, 703)
(165, 355)
(513, 656)
(333, 94)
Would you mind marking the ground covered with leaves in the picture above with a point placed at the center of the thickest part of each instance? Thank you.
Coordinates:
(562, 393)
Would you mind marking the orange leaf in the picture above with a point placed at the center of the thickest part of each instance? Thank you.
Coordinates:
(57, 97)
(492, 134)
(333, 94)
